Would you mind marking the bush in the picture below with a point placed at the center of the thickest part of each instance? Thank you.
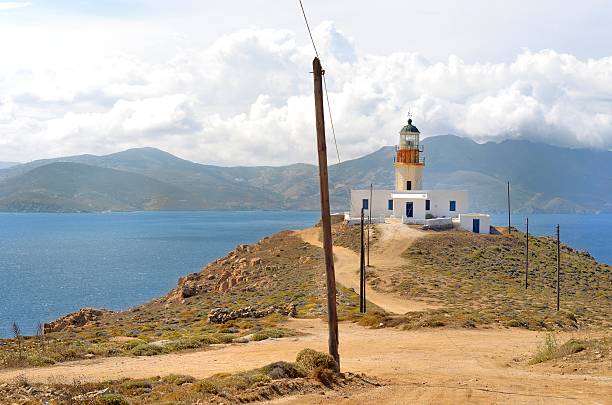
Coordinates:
(210, 340)
(309, 360)
(283, 369)
(183, 344)
(178, 379)
(325, 376)
(106, 349)
(130, 344)
(146, 350)
(207, 387)
(373, 319)
(137, 384)
(256, 337)
(113, 399)
(40, 361)
(551, 350)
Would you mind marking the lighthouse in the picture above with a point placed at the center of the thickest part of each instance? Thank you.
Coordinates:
(408, 202)
(409, 163)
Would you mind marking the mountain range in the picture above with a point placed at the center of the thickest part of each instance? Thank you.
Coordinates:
(543, 178)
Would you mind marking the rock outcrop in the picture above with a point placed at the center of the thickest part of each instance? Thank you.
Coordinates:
(222, 315)
(76, 319)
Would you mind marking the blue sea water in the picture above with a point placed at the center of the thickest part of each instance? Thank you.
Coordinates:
(584, 232)
(53, 264)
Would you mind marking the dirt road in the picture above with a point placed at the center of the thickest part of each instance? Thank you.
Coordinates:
(423, 366)
(395, 239)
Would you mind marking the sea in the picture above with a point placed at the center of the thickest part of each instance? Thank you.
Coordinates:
(54, 264)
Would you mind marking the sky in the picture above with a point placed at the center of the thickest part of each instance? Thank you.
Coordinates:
(228, 82)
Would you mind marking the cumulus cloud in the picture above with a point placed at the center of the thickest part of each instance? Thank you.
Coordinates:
(246, 99)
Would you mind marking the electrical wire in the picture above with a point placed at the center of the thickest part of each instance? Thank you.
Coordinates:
(331, 120)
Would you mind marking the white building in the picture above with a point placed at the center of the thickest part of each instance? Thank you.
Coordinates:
(409, 202)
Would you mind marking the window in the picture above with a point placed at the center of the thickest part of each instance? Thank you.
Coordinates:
(453, 206)
(408, 185)
(427, 205)
(390, 205)
(365, 204)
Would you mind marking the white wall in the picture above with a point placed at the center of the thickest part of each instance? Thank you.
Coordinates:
(399, 207)
(440, 202)
(466, 221)
(378, 205)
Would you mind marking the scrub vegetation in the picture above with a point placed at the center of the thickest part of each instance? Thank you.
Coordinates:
(480, 280)
(312, 372)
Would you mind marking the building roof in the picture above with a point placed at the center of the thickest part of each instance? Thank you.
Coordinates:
(409, 128)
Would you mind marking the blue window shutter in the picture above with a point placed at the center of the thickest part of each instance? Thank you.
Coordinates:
(427, 205)
(365, 204)
(453, 206)
(390, 205)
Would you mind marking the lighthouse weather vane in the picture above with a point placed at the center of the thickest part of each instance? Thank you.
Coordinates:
(409, 115)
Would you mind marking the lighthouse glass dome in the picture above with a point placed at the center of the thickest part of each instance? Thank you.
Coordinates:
(409, 140)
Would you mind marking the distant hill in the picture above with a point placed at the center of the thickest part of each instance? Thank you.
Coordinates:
(543, 178)
(4, 165)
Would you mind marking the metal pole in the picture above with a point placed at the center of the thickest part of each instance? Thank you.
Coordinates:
(558, 268)
(369, 222)
(361, 268)
(509, 226)
(332, 310)
(526, 252)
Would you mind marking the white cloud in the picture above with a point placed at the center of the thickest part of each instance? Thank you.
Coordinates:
(246, 99)
(12, 5)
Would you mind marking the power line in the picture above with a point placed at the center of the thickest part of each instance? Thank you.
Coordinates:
(331, 120)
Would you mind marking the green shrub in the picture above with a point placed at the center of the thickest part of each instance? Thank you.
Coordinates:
(37, 360)
(256, 337)
(146, 350)
(309, 360)
(106, 349)
(374, 319)
(182, 344)
(210, 339)
(551, 350)
(283, 369)
(274, 333)
(137, 384)
(113, 399)
(130, 344)
(207, 387)
(177, 379)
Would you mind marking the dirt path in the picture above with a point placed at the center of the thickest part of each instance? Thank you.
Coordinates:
(395, 239)
(423, 366)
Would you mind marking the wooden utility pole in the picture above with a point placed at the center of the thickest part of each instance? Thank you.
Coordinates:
(526, 251)
(361, 268)
(558, 268)
(369, 222)
(332, 310)
(509, 226)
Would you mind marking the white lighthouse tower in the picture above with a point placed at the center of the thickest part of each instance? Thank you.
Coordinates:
(409, 163)
(408, 202)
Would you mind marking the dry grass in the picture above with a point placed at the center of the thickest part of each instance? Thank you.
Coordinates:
(480, 281)
(312, 372)
(551, 350)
